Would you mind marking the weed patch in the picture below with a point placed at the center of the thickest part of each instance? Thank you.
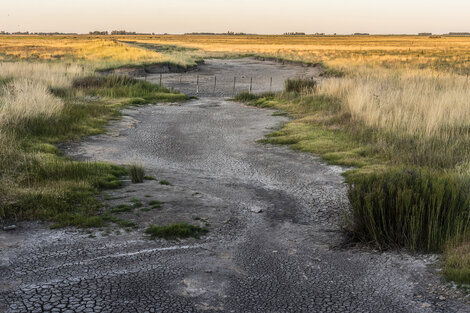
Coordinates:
(175, 231)
(155, 204)
(121, 208)
(137, 173)
(299, 85)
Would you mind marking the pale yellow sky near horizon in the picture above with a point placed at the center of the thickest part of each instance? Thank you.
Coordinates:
(262, 16)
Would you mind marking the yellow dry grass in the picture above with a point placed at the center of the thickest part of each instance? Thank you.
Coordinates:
(388, 51)
(92, 51)
(420, 103)
(27, 93)
(26, 99)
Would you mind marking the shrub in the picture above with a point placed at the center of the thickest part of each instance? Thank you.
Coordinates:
(299, 85)
(418, 209)
(137, 173)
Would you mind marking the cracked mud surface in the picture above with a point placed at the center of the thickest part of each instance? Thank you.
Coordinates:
(273, 216)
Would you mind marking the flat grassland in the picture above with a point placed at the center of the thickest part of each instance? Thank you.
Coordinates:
(396, 108)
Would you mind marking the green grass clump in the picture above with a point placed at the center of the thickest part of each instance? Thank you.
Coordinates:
(299, 85)
(165, 182)
(137, 173)
(420, 209)
(457, 264)
(121, 208)
(136, 203)
(155, 204)
(175, 231)
(77, 220)
(252, 97)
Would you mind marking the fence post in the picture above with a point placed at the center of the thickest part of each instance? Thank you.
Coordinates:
(234, 82)
(215, 83)
(251, 84)
(160, 79)
(197, 85)
(271, 84)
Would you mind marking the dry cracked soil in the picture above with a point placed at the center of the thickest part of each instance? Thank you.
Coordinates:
(274, 215)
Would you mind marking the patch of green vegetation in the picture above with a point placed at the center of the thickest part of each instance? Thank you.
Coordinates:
(420, 209)
(253, 98)
(165, 182)
(137, 173)
(136, 203)
(121, 208)
(280, 113)
(155, 204)
(457, 264)
(149, 177)
(77, 220)
(131, 91)
(299, 85)
(175, 231)
(118, 221)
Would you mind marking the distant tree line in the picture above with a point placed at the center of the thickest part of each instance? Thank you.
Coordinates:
(294, 34)
(97, 32)
(37, 33)
(230, 33)
(116, 32)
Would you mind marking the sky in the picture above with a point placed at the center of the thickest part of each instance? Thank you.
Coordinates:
(250, 16)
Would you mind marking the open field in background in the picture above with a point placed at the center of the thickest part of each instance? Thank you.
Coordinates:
(394, 107)
(93, 52)
(416, 52)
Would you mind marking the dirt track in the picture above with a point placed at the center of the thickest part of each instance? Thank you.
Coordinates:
(274, 241)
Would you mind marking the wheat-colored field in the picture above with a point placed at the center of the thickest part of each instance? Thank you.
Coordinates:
(389, 51)
(93, 52)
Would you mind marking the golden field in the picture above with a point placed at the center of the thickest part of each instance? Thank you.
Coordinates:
(407, 84)
(389, 51)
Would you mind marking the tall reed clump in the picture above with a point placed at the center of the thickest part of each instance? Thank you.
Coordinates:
(420, 209)
(299, 85)
(137, 173)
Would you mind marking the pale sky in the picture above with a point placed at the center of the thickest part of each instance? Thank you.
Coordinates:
(251, 16)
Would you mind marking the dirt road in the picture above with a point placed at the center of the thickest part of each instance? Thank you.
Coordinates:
(274, 243)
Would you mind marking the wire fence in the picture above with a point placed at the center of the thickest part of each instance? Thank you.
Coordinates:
(218, 85)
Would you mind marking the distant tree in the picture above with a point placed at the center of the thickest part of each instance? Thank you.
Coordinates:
(97, 32)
